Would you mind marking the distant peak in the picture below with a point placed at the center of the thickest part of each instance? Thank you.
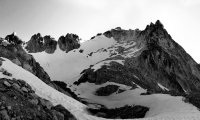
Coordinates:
(158, 23)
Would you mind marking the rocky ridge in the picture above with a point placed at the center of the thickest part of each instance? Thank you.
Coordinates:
(158, 60)
(66, 43)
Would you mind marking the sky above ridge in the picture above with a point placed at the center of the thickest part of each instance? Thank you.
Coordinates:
(86, 18)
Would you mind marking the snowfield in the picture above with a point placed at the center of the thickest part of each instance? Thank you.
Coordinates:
(162, 107)
(68, 66)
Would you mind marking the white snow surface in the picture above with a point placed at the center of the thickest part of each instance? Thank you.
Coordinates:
(161, 86)
(162, 107)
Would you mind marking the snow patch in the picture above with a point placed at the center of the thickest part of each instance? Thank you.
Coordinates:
(161, 86)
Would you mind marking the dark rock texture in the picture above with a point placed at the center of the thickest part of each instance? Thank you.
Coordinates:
(21, 103)
(68, 42)
(37, 43)
(126, 112)
(13, 39)
(107, 90)
(50, 44)
(66, 113)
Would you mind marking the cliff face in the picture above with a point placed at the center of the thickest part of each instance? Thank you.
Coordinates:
(159, 60)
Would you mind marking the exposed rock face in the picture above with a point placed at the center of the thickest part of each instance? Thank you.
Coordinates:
(107, 90)
(122, 35)
(37, 43)
(159, 59)
(21, 103)
(68, 42)
(50, 44)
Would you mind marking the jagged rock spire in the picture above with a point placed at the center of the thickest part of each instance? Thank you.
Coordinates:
(13, 39)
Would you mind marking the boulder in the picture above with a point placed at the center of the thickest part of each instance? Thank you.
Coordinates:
(66, 113)
(46, 103)
(4, 115)
(16, 86)
(16, 61)
(7, 84)
(57, 115)
(24, 89)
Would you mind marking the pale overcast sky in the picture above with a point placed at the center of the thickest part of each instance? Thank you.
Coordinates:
(86, 18)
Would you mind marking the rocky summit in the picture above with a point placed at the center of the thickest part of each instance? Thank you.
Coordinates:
(117, 74)
(159, 59)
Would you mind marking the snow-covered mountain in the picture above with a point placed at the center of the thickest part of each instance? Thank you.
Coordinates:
(123, 74)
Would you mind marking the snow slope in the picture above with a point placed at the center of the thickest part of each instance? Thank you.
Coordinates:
(162, 107)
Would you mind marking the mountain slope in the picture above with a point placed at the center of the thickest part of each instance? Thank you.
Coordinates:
(148, 58)
(122, 67)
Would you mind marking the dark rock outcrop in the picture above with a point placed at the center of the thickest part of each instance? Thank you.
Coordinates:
(122, 35)
(21, 103)
(37, 43)
(68, 42)
(66, 113)
(50, 44)
(126, 112)
(107, 90)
